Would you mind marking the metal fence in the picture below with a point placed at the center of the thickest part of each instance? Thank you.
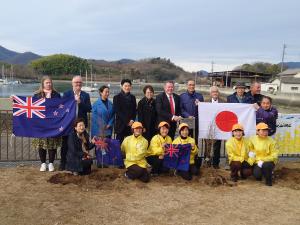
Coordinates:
(19, 149)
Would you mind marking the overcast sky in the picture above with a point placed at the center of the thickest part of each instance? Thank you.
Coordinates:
(192, 33)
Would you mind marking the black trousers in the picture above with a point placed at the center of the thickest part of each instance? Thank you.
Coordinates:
(126, 132)
(136, 172)
(188, 175)
(156, 164)
(244, 168)
(43, 155)
(86, 167)
(265, 171)
(217, 152)
(172, 130)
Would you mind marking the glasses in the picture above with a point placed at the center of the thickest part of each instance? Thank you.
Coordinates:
(77, 82)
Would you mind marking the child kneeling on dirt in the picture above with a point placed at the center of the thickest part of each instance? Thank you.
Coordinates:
(184, 138)
(265, 153)
(78, 159)
(237, 149)
(135, 149)
(156, 149)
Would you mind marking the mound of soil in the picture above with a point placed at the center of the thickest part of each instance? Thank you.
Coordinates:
(288, 177)
(213, 177)
(107, 178)
(112, 178)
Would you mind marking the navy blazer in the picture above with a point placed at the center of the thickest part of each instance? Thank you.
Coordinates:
(84, 106)
(233, 99)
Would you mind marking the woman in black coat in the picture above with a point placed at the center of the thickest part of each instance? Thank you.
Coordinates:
(147, 113)
(79, 160)
(124, 104)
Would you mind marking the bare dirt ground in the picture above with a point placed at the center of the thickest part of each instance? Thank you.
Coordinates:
(28, 196)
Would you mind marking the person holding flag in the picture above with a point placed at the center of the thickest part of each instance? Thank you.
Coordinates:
(237, 149)
(184, 138)
(156, 149)
(239, 96)
(266, 113)
(254, 95)
(79, 161)
(83, 101)
(213, 144)
(264, 153)
(135, 149)
(43, 145)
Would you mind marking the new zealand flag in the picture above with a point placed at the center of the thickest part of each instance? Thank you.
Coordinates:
(43, 117)
(177, 156)
(108, 152)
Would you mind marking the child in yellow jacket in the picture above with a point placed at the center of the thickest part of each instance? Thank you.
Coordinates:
(156, 149)
(265, 154)
(135, 149)
(184, 138)
(237, 148)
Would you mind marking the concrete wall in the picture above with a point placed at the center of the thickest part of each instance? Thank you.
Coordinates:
(287, 88)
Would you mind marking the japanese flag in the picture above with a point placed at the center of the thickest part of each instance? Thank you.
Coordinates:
(216, 119)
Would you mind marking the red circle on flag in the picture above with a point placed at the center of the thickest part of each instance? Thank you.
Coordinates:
(225, 120)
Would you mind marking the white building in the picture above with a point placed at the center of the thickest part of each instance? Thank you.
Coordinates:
(290, 81)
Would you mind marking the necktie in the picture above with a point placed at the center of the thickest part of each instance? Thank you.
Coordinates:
(172, 105)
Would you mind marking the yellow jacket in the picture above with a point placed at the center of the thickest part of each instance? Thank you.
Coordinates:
(135, 149)
(156, 143)
(237, 150)
(188, 140)
(264, 148)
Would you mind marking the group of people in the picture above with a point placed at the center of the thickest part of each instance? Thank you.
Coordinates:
(145, 127)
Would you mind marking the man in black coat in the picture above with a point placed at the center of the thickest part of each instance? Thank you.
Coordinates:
(83, 107)
(254, 96)
(125, 108)
(168, 107)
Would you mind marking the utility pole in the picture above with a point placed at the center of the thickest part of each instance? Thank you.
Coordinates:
(283, 54)
(282, 62)
(212, 72)
(226, 85)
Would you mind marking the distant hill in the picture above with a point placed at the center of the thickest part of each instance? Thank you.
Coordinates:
(13, 57)
(292, 65)
(150, 69)
(28, 65)
(202, 73)
(6, 54)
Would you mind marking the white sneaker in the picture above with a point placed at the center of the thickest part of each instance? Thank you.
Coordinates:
(51, 167)
(43, 167)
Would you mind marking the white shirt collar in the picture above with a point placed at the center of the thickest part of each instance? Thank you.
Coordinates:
(214, 101)
(75, 93)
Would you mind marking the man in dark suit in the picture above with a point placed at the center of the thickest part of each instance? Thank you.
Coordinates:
(168, 107)
(125, 108)
(254, 96)
(214, 98)
(83, 107)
